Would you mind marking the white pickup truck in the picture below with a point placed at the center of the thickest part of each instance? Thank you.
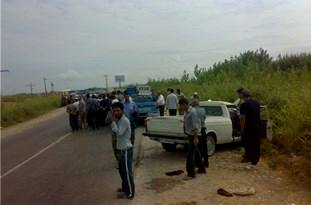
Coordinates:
(222, 123)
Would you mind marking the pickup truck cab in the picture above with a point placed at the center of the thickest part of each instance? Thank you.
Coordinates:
(146, 106)
(222, 123)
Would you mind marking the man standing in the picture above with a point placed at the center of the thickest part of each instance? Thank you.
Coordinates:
(122, 128)
(203, 138)
(195, 96)
(73, 117)
(91, 109)
(160, 104)
(130, 110)
(179, 96)
(250, 127)
(192, 129)
(172, 103)
(82, 112)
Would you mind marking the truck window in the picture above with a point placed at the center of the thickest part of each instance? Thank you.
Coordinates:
(213, 110)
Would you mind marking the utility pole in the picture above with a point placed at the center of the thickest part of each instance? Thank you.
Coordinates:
(106, 78)
(52, 86)
(31, 88)
(46, 92)
(4, 71)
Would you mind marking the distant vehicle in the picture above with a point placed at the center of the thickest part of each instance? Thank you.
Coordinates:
(222, 127)
(146, 106)
(142, 96)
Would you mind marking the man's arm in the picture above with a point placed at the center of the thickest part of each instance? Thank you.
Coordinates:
(121, 129)
(195, 124)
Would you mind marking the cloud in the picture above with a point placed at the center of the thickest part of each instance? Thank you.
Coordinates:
(70, 74)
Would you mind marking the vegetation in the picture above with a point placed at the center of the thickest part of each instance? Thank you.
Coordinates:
(283, 84)
(19, 108)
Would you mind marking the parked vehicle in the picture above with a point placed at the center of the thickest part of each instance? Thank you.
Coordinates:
(146, 106)
(222, 123)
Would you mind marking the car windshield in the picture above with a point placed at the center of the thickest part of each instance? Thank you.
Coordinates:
(142, 98)
(213, 110)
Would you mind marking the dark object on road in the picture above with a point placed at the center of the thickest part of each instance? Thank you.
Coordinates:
(174, 173)
(223, 192)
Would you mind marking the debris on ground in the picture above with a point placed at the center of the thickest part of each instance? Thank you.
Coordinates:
(174, 173)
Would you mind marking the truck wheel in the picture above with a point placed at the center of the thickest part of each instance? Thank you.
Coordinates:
(169, 147)
(211, 144)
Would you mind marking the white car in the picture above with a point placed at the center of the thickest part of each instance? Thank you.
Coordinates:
(222, 123)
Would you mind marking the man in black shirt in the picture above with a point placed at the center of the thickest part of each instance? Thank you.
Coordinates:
(250, 127)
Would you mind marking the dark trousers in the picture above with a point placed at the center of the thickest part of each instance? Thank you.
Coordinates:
(190, 164)
(133, 127)
(73, 121)
(126, 170)
(203, 149)
(252, 146)
(172, 112)
(91, 119)
(161, 110)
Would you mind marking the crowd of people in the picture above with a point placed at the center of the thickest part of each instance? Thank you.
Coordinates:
(120, 113)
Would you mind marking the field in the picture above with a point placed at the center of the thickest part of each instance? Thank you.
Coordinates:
(19, 108)
(283, 84)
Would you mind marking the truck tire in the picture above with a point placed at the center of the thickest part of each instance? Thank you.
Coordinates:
(169, 147)
(211, 144)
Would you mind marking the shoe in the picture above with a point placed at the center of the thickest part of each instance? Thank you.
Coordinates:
(201, 171)
(125, 196)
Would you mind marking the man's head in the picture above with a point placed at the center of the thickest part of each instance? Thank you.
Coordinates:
(93, 96)
(172, 90)
(117, 109)
(184, 104)
(245, 94)
(239, 92)
(88, 96)
(178, 91)
(126, 96)
(195, 94)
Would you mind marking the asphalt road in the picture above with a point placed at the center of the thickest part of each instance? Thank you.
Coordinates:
(46, 164)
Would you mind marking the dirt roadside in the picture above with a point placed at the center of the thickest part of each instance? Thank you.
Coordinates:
(226, 171)
(12, 130)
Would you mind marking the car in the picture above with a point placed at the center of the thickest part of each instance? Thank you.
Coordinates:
(222, 123)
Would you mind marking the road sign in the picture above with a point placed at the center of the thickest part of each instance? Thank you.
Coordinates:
(119, 78)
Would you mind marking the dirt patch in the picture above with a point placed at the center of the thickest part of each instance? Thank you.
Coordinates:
(185, 203)
(160, 185)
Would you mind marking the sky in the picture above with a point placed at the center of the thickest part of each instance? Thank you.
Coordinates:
(74, 43)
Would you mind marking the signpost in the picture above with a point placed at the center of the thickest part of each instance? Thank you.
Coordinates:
(119, 79)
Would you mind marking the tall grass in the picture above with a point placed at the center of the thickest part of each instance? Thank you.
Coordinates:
(279, 84)
(19, 108)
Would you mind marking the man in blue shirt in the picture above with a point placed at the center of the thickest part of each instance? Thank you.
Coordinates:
(130, 111)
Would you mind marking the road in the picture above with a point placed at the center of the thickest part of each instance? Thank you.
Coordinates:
(47, 164)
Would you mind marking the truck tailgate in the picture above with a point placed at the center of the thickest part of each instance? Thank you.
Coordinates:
(166, 125)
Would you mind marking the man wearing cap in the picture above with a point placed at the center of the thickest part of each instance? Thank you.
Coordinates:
(250, 127)
(195, 96)
(192, 130)
(130, 110)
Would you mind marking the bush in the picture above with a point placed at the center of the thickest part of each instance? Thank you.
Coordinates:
(19, 108)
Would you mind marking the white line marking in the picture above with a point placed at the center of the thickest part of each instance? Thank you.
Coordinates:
(36, 155)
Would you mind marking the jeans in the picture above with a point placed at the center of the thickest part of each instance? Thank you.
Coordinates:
(203, 149)
(126, 170)
(172, 112)
(190, 164)
(161, 110)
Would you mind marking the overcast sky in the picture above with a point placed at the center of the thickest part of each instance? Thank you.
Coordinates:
(74, 43)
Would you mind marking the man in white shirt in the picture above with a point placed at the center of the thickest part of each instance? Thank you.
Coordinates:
(172, 103)
(160, 104)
